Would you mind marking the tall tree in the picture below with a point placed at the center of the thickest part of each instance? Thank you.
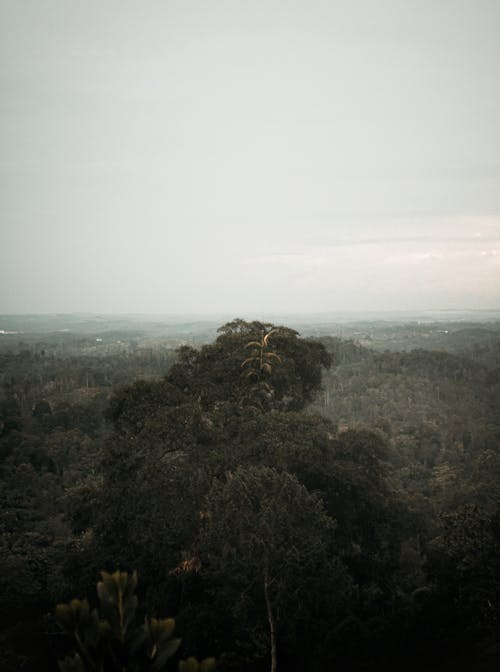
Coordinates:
(267, 538)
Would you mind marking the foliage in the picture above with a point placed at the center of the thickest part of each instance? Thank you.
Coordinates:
(399, 451)
(268, 540)
(291, 367)
(110, 638)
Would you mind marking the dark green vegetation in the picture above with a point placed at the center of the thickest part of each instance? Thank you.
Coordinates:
(112, 637)
(305, 504)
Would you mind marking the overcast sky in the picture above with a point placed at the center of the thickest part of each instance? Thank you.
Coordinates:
(249, 156)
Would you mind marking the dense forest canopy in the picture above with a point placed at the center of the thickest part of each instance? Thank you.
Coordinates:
(296, 503)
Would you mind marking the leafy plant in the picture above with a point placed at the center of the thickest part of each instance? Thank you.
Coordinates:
(111, 638)
(261, 358)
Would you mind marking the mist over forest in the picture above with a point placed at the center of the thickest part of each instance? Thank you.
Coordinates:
(296, 501)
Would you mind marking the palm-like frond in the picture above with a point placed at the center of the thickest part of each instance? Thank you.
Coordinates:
(249, 360)
(266, 336)
(254, 344)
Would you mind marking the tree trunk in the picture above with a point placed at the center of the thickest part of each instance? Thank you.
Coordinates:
(272, 625)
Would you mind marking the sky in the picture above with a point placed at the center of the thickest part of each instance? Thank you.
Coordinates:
(249, 156)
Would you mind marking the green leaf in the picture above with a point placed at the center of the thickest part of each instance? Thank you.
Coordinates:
(189, 665)
(208, 665)
(129, 609)
(64, 616)
(167, 651)
(167, 626)
(74, 664)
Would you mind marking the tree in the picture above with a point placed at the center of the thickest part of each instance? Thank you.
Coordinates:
(266, 538)
(464, 567)
(213, 374)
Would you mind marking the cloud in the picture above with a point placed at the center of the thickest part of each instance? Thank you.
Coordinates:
(455, 269)
(286, 259)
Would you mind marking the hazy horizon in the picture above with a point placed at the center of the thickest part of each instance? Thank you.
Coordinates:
(249, 158)
(480, 315)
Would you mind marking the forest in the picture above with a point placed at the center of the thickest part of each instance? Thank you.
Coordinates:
(323, 500)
